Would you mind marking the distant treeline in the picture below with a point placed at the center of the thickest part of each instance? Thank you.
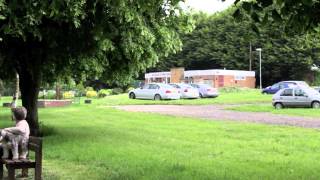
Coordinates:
(219, 41)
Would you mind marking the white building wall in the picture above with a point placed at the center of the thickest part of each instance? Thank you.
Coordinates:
(211, 72)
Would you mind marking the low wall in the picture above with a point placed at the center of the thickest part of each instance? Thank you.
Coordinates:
(53, 103)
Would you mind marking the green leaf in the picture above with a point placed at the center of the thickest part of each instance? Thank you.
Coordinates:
(255, 17)
(247, 6)
(237, 14)
(276, 16)
(266, 3)
(255, 29)
(256, 7)
(265, 19)
(307, 2)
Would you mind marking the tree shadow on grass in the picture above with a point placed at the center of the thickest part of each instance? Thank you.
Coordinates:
(47, 130)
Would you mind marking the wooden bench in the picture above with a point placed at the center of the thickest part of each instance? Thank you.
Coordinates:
(35, 145)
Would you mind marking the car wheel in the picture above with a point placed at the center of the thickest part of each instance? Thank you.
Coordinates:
(200, 95)
(132, 96)
(278, 106)
(316, 105)
(157, 97)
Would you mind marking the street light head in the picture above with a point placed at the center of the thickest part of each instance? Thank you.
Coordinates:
(258, 49)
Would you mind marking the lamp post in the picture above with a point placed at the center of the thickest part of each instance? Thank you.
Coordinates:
(259, 50)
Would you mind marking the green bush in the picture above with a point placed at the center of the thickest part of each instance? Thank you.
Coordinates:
(50, 94)
(91, 94)
(42, 94)
(89, 89)
(129, 89)
(81, 91)
(68, 95)
(116, 91)
(104, 92)
(234, 89)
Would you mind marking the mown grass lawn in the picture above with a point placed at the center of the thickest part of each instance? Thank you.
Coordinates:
(309, 112)
(95, 142)
(244, 96)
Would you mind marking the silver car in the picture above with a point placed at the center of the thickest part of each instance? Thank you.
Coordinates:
(298, 96)
(155, 91)
(186, 91)
(206, 90)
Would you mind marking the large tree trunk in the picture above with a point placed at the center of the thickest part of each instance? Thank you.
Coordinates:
(29, 86)
(16, 94)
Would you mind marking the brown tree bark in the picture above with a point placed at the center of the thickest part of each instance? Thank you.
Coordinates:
(16, 94)
(58, 91)
(29, 86)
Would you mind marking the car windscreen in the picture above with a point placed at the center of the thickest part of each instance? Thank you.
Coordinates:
(275, 86)
(165, 86)
(194, 85)
(175, 86)
(302, 83)
(185, 86)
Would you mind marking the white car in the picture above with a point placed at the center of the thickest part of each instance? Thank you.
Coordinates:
(206, 90)
(155, 91)
(186, 90)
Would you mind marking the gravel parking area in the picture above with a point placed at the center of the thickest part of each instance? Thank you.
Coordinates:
(217, 112)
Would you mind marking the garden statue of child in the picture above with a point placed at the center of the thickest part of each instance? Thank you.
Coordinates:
(17, 136)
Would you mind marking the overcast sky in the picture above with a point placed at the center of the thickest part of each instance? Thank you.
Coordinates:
(208, 6)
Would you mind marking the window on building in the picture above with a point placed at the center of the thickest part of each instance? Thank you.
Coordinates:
(188, 80)
(208, 82)
(239, 78)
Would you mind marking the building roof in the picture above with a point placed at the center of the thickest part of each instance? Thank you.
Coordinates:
(157, 74)
(209, 72)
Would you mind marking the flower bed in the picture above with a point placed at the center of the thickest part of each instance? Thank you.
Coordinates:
(53, 103)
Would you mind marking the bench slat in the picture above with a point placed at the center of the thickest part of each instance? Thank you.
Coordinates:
(33, 147)
(22, 165)
(35, 140)
(20, 161)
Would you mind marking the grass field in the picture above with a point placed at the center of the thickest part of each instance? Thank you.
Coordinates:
(286, 111)
(249, 96)
(95, 142)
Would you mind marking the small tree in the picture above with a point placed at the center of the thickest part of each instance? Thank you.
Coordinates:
(44, 40)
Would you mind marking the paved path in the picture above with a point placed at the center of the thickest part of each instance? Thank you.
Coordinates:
(217, 112)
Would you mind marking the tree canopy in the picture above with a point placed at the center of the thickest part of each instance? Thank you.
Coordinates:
(44, 40)
(297, 15)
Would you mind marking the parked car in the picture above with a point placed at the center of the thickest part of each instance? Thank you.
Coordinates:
(283, 84)
(298, 96)
(186, 91)
(206, 90)
(155, 91)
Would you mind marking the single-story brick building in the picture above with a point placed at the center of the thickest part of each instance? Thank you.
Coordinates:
(214, 77)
